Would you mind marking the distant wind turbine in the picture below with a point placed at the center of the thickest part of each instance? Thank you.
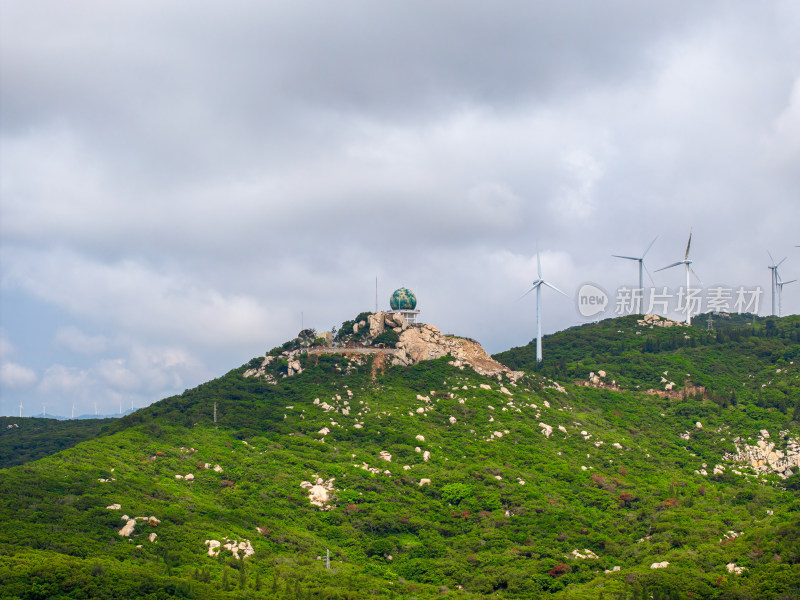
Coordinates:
(774, 278)
(688, 264)
(20, 410)
(640, 260)
(537, 285)
(779, 284)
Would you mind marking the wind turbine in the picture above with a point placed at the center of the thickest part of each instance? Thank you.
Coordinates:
(20, 409)
(779, 284)
(640, 260)
(775, 278)
(537, 285)
(689, 269)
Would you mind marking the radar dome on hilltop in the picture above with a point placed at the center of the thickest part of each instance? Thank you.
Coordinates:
(403, 299)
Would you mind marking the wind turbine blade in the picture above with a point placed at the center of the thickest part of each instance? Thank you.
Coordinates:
(670, 266)
(688, 245)
(538, 261)
(780, 263)
(648, 274)
(537, 284)
(770, 258)
(695, 274)
(650, 246)
(628, 257)
(783, 283)
(552, 287)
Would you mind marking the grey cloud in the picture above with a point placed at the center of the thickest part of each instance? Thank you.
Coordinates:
(195, 178)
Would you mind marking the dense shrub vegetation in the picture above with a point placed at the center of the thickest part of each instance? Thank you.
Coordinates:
(505, 508)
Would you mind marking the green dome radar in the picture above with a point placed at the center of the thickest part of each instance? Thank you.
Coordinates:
(403, 299)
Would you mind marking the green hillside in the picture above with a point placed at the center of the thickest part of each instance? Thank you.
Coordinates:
(742, 360)
(25, 439)
(531, 488)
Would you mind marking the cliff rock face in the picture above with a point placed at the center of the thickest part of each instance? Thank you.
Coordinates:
(426, 342)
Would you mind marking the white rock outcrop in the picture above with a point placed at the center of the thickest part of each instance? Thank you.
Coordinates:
(765, 457)
(127, 529)
(213, 547)
(319, 492)
(547, 430)
(424, 481)
(660, 565)
(732, 568)
(244, 547)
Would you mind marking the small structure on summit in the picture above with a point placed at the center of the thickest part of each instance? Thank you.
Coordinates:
(404, 302)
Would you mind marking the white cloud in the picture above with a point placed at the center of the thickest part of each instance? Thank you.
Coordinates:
(62, 379)
(74, 339)
(13, 375)
(136, 299)
(6, 347)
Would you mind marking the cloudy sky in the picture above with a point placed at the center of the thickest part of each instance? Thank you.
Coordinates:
(182, 183)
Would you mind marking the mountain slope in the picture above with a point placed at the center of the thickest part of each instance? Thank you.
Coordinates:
(515, 486)
(25, 439)
(742, 360)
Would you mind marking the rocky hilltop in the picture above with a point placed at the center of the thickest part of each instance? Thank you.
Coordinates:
(414, 343)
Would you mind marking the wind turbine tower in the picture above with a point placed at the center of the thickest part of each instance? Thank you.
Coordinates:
(779, 284)
(774, 278)
(537, 285)
(20, 410)
(640, 260)
(689, 269)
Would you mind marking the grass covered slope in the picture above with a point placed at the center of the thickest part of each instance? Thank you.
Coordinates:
(25, 439)
(742, 360)
(527, 491)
